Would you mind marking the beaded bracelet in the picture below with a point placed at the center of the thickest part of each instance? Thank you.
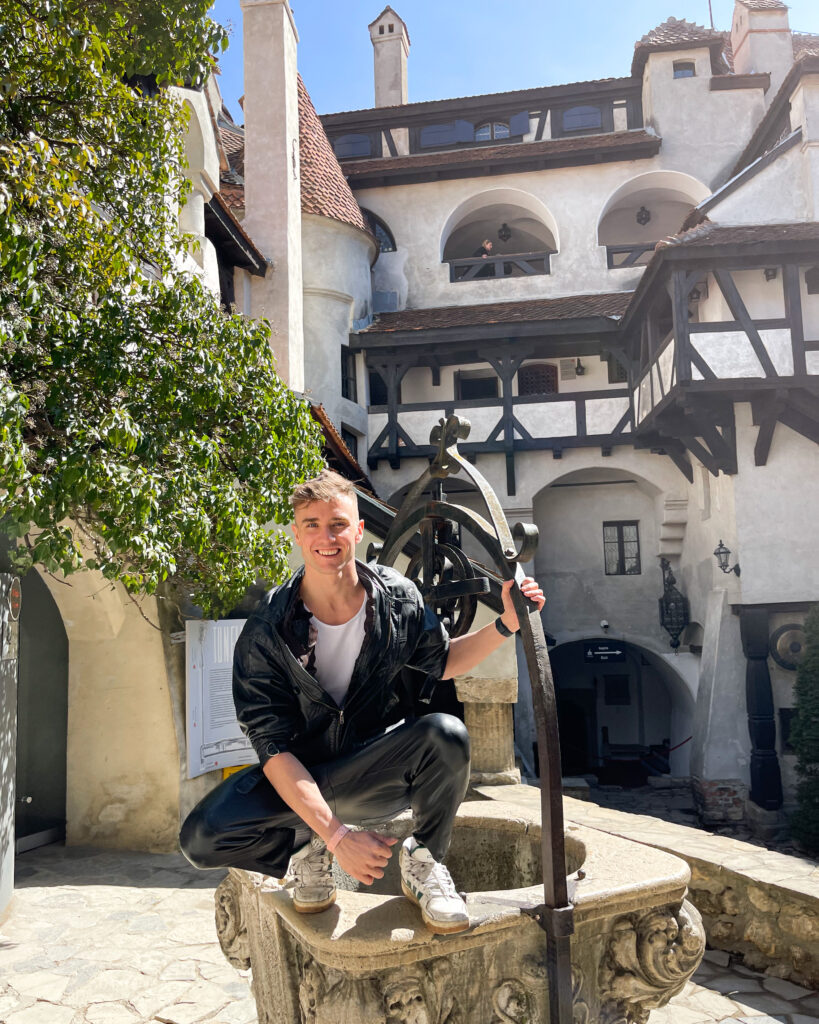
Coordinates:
(337, 836)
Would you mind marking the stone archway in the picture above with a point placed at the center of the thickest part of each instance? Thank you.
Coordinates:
(532, 225)
(620, 714)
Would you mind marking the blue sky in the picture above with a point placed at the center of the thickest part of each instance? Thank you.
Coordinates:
(460, 49)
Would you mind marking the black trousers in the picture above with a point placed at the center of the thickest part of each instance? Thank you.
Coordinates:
(422, 764)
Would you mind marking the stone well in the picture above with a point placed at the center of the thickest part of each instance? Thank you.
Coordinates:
(370, 960)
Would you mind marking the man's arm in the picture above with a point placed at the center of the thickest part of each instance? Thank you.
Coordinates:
(361, 854)
(465, 652)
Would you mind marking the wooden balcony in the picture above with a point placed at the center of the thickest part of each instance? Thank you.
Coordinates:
(600, 418)
(509, 265)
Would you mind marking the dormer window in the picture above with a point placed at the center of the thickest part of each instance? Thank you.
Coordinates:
(582, 119)
(492, 130)
(685, 69)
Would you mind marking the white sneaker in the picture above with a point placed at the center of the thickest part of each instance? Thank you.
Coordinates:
(311, 877)
(430, 885)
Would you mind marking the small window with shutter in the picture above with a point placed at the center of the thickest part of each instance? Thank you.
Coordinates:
(582, 119)
(537, 379)
(346, 146)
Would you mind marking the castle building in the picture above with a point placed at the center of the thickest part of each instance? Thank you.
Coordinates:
(637, 352)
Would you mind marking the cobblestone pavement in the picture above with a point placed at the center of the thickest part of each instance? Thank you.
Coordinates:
(101, 937)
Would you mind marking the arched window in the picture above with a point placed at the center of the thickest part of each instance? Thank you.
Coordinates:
(492, 130)
(579, 119)
(685, 69)
(383, 235)
(537, 379)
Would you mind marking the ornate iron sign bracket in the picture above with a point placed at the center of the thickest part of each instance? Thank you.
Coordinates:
(449, 583)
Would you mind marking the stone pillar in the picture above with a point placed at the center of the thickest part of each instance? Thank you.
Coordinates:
(720, 752)
(488, 698)
(273, 177)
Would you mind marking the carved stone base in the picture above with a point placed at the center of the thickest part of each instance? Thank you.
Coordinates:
(370, 960)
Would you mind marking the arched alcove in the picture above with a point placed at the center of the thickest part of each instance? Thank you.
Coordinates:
(642, 211)
(514, 221)
(622, 719)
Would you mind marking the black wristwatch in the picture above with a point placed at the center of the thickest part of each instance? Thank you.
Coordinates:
(502, 628)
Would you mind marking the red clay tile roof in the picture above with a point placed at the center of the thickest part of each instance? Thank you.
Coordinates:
(339, 454)
(567, 307)
(324, 189)
(233, 195)
(674, 34)
(709, 233)
(494, 154)
(764, 5)
(805, 43)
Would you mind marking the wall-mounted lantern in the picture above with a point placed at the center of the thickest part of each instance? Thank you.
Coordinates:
(504, 232)
(673, 605)
(643, 216)
(579, 368)
(721, 553)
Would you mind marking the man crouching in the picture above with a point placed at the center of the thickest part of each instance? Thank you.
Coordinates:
(316, 683)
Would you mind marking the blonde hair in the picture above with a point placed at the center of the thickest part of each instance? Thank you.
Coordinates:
(324, 487)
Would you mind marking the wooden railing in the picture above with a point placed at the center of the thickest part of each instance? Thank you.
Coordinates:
(508, 265)
(636, 255)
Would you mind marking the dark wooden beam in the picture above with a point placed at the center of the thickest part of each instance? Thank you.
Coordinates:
(679, 299)
(764, 438)
(793, 311)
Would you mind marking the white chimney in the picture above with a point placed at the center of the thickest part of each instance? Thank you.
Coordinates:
(761, 40)
(391, 44)
(272, 176)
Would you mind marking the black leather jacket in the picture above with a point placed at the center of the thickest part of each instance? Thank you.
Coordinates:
(281, 707)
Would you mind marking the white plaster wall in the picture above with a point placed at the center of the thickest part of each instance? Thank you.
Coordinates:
(692, 120)
(574, 197)
(336, 282)
(778, 537)
(721, 747)
(774, 195)
(603, 414)
(730, 354)
(569, 560)
(548, 419)
(621, 227)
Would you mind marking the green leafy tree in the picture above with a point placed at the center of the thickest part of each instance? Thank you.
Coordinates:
(805, 738)
(143, 431)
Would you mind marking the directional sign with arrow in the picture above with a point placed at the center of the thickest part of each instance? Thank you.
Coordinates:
(597, 651)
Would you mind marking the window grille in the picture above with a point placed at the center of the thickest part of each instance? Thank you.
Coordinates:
(537, 379)
(492, 130)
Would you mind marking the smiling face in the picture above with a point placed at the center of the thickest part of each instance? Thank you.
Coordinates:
(327, 533)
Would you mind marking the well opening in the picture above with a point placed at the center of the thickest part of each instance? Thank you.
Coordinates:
(484, 856)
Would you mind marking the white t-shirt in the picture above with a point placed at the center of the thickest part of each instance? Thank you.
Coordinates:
(336, 652)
